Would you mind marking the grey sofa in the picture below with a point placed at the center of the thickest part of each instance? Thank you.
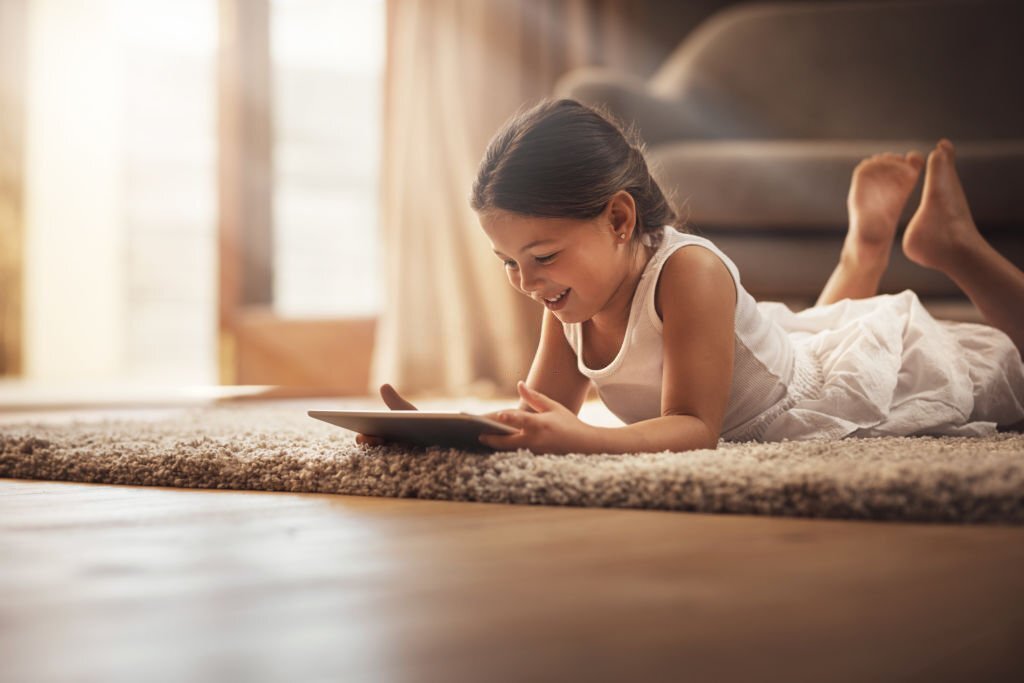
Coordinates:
(757, 119)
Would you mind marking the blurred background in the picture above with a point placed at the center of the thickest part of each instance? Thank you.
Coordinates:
(205, 194)
(191, 191)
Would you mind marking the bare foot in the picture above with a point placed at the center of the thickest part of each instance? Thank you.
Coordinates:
(942, 225)
(879, 190)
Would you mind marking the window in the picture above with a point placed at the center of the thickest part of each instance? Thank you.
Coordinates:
(327, 68)
(121, 178)
(121, 192)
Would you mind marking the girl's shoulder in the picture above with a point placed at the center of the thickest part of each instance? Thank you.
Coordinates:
(673, 240)
(691, 267)
(691, 275)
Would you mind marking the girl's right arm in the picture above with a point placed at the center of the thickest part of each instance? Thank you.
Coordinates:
(554, 372)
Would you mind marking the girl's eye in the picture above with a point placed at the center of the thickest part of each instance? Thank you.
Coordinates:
(509, 263)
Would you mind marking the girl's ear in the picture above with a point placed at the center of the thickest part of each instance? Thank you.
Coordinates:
(621, 215)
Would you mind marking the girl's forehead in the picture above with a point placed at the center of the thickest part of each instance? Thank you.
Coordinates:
(511, 233)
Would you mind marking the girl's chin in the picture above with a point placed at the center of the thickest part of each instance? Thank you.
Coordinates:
(568, 317)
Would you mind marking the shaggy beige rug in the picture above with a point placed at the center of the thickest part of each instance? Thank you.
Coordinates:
(281, 449)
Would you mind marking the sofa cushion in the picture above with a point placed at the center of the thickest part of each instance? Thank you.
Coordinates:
(794, 266)
(802, 185)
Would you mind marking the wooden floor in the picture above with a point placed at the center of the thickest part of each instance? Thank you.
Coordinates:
(107, 583)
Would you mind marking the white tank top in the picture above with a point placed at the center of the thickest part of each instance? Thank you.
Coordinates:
(631, 384)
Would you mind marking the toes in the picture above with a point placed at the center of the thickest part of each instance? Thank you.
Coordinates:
(948, 148)
(939, 157)
(913, 158)
(943, 148)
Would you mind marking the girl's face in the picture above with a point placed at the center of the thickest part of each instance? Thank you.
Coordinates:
(573, 267)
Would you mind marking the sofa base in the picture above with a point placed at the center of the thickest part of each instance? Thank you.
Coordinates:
(793, 267)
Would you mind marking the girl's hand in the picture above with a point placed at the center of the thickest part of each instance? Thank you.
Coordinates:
(552, 429)
(393, 401)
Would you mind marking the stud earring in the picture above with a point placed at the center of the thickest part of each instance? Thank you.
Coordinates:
(622, 235)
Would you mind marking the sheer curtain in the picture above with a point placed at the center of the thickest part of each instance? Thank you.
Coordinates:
(456, 69)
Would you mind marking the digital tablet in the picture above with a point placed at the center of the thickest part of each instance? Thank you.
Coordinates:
(418, 427)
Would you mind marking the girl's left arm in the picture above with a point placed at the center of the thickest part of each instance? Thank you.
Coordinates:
(696, 297)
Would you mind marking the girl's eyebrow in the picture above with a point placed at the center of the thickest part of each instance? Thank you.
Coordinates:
(525, 247)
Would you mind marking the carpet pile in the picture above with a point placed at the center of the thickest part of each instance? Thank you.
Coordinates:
(944, 479)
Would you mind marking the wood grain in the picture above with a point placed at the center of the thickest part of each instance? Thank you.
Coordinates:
(327, 357)
(122, 583)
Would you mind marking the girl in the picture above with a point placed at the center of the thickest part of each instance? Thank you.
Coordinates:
(659, 321)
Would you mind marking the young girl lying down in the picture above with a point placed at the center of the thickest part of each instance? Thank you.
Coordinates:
(658, 320)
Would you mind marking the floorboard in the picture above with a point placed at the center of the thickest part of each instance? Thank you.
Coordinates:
(110, 583)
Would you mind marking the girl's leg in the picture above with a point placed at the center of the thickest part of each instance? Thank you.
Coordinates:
(878, 191)
(942, 235)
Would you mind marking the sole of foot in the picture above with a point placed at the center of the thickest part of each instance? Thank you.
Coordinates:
(879, 189)
(942, 225)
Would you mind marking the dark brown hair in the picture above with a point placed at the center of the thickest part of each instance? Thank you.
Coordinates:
(564, 159)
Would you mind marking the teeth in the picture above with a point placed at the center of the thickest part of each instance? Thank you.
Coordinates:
(557, 298)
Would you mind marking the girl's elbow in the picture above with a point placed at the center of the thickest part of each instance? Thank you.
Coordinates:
(708, 440)
(714, 435)
(698, 435)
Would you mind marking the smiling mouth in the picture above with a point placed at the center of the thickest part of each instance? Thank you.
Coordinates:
(555, 303)
(556, 299)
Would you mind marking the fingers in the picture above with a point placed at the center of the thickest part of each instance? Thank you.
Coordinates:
(517, 419)
(535, 399)
(395, 402)
(393, 399)
(503, 442)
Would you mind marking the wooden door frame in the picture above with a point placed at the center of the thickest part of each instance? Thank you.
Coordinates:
(327, 356)
(13, 89)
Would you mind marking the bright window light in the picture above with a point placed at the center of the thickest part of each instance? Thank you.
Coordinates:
(328, 61)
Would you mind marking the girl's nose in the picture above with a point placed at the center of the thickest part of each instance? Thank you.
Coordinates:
(528, 280)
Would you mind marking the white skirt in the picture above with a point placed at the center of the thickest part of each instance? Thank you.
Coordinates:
(885, 367)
